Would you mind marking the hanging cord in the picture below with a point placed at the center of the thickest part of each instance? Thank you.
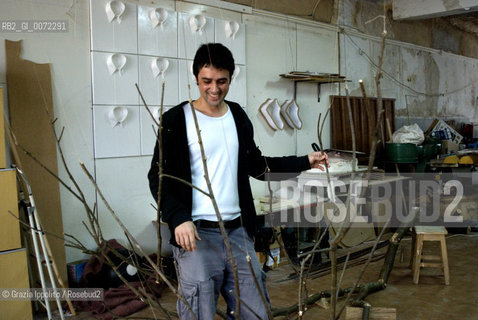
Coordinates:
(387, 74)
(397, 81)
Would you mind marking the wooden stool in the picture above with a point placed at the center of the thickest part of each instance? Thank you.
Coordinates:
(429, 233)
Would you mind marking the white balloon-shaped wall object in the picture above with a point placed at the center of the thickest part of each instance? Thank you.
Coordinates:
(116, 63)
(117, 116)
(114, 10)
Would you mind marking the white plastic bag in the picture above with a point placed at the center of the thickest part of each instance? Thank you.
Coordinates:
(409, 134)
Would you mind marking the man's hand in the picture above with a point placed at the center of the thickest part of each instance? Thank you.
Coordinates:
(186, 235)
(317, 159)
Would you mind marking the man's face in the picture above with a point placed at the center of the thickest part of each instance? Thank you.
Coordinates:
(213, 85)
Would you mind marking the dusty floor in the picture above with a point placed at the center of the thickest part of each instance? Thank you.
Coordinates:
(430, 299)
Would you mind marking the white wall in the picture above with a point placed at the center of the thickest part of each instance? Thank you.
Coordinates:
(426, 83)
(277, 45)
(68, 55)
(410, 9)
(274, 44)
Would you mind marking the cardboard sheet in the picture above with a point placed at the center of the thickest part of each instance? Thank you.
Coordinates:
(3, 156)
(9, 226)
(31, 110)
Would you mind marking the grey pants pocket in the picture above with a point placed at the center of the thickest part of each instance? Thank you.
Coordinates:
(190, 292)
(200, 297)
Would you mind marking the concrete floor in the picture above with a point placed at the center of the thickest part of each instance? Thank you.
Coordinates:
(430, 299)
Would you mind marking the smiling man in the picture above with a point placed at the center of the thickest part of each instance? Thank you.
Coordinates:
(205, 270)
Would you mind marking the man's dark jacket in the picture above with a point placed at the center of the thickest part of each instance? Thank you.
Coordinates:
(176, 197)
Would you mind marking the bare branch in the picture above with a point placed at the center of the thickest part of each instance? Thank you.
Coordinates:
(135, 242)
(261, 293)
(364, 267)
(61, 134)
(54, 175)
(187, 183)
(342, 274)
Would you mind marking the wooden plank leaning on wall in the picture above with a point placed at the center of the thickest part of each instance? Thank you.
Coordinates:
(31, 110)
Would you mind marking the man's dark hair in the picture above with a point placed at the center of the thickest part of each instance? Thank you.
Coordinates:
(216, 55)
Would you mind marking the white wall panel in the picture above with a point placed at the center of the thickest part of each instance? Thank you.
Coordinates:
(414, 76)
(116, 88)
(317, 50)
(390, 69)
(119, 140)
(271, 50)
(119, 35)
(469, 95)
(185, 75)
(159, 40)
(151, 86)
(128, 194)
(267, 57)
(237, 89)
(149, 129)
(310, 109)
(452, 78)
(354, 63)
(233, 35)
(191, 39)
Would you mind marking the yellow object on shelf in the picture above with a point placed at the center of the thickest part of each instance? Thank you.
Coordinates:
(469, 159)
(451, 159)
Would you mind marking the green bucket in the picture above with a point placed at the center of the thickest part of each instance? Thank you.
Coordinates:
(401, 152)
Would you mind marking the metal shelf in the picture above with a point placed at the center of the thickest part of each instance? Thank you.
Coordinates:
(319, 78)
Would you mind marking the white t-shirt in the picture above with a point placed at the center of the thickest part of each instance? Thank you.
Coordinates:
(221, 146)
